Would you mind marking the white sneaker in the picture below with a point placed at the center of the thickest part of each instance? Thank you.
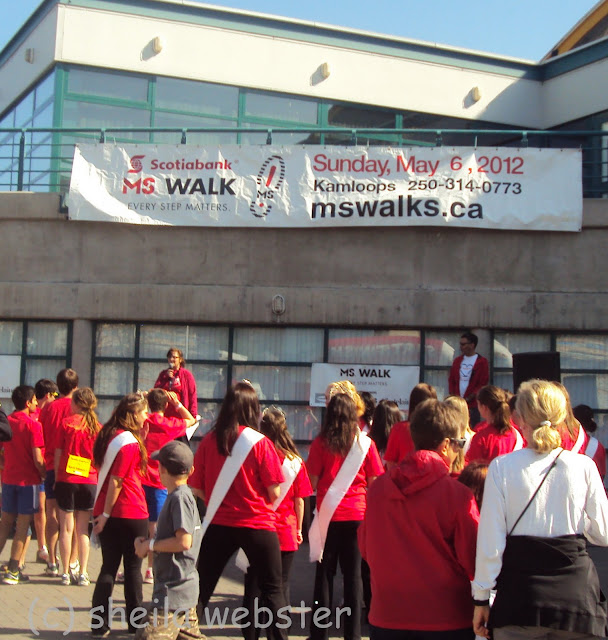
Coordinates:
(83, 579)
(66, 580)
(74, 572)
(149, 577)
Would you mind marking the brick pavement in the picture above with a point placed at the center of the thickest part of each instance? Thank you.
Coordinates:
(45, 609)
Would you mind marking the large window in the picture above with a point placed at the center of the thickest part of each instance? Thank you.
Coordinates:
(30, 351)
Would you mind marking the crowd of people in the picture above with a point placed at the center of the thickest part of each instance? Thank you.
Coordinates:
(429, 518)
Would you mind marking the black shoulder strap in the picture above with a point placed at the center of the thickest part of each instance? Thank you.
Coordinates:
(537, 490)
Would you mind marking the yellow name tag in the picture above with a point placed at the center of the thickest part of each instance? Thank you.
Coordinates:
(78, 466)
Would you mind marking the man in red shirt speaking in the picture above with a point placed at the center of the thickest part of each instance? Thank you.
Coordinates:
(468, 374)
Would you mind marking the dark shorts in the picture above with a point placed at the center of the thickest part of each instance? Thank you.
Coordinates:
(155, 499)
(20, 500)
(49, 482)
(75, 497)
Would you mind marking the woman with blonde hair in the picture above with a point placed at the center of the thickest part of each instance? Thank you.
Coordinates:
(497, 435)
(76, 479)
(540, 503)
(466, 432)
(347, 387)
(120, 511)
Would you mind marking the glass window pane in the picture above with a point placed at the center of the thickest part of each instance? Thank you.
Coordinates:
(210, 380)
(304, 423)
(279, 345)
(156, 340)
(86, 114)
(587, 388)
(24, 110)
(47, 338)
(44, 119)
(276, 383)
(200, 97)
(111, 85)
(305, 137)
(45, 90)
(179, 120)
(42, 368)
(289, 108)
(208, 412)
(437, 379)
(583, 352)
(147, 373)
(105, 406)
(113, 378)
(367, 346)
(441, 347)
(504, 380)
(117, 340)
(506, 344)
(11, 338)
(342, 115)
(208, 343)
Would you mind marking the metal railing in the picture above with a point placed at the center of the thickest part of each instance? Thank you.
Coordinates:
(40, 159)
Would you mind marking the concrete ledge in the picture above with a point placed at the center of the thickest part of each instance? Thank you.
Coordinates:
(27, 205)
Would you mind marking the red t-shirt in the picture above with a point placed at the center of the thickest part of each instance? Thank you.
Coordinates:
(52, 417)
(75, 439)
(131, 502)
(325, 465)
(400, 442)
(488, 443)
(287, 522)
(246, 503)
(19, 466)
(160, 431)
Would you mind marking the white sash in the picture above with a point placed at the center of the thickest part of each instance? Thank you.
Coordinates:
(317, 533)
(116, 444)
(519, 441)
(578, 445)
(592, 446)
(290, 469)
(243, 445)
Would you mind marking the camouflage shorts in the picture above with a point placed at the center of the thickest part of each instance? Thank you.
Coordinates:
(176, 627)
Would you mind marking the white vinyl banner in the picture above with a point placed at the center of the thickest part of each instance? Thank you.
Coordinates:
(381, 380)
(10, 373)
(315, 186)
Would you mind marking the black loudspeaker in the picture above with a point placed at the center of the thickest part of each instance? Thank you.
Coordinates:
(544, 365)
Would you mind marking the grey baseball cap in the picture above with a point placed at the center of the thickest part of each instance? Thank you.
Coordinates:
(176, 457)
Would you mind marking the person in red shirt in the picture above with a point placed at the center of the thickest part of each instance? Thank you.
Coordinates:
(419, 537)
(178, 379)
(76, 480)
(497, 435)
(245, 518)
(160, 430)
(328, 453)
(468, 373)
(46, 391)
(23, 469)
(400, 441)
(595, 450)
(290, 510)
(51, 418)
(120, 514)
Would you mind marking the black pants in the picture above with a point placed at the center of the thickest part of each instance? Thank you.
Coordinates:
(264, 555)
(117, 543)
(253, 591)
(340, 546)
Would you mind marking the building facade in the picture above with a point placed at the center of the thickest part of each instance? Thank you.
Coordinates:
(110, 299)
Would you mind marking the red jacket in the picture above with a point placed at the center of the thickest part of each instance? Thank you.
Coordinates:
(418, 537)
(480, 377)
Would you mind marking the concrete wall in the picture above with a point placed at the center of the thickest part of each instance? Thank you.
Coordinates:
(52, 268)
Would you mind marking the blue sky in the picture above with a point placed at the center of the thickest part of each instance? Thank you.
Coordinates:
(519, 28)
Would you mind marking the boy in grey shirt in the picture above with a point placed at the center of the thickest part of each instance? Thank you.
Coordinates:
(176, 548)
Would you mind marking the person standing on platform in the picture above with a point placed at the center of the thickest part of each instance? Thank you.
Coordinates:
(469, 373)
(179, 380)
